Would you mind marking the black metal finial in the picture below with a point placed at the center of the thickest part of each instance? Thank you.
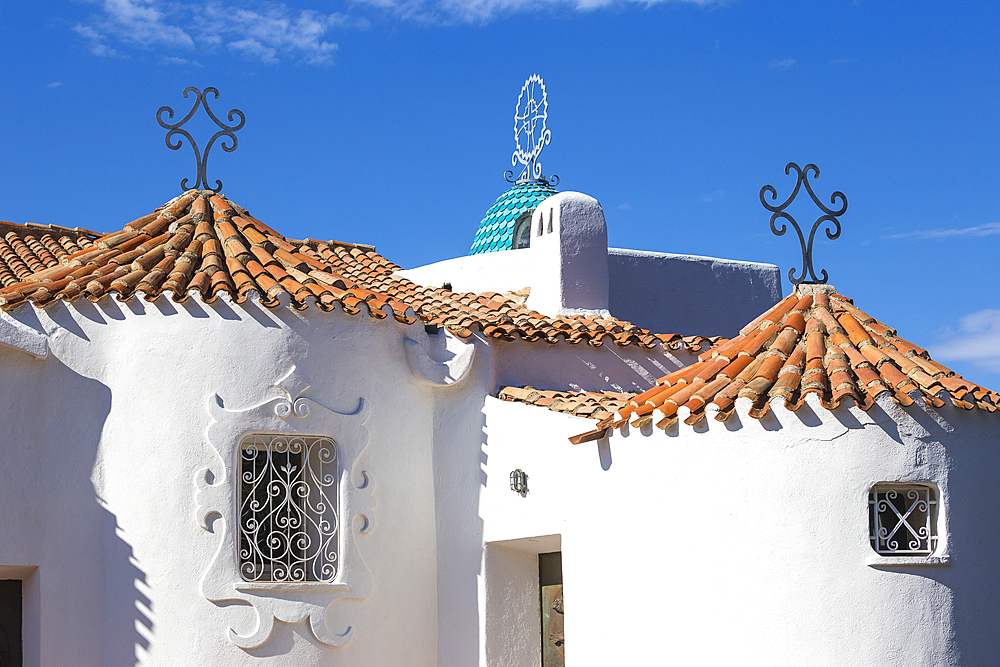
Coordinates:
(202, 159)
(829, 215)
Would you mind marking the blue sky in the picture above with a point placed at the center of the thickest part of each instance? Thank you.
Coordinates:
(390, 122)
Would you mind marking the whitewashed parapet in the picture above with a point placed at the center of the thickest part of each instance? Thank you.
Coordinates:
(569, 247)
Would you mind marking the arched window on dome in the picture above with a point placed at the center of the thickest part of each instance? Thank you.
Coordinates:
(522, 231)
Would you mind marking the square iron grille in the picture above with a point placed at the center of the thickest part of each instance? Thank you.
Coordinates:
(288, 529)
(903, 519)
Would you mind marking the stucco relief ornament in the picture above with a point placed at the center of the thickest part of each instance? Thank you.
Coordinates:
(530, 133)
(288, 414)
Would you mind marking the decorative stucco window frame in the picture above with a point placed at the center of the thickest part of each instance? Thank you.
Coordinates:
(289, 411)
(939, 556)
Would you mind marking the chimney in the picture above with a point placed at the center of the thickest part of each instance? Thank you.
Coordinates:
(569, 248)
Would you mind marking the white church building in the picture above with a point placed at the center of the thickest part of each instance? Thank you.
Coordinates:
(227, 447)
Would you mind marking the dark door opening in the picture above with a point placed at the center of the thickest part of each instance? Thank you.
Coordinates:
(10, 623)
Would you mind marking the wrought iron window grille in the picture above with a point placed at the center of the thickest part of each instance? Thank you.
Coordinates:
(288, 523)
(903, 519)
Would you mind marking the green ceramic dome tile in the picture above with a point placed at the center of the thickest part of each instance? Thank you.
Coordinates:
(496, 231)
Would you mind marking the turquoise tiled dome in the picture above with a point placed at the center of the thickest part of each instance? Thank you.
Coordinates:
(496, 231)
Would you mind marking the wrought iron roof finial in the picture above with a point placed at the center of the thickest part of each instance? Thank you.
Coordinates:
(829, 215)
(530, 133)
(227, 131)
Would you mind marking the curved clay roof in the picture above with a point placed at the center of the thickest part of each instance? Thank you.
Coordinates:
(201, 242)
(25, 249)
(496, 231)
(813, 342)
(590, 404)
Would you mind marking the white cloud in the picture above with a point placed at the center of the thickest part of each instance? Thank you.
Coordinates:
(977, 341)
(96, 39)
(627, 206)
(483, 11)
(255, 50)
(54, 84)
(713, 196)
(270, 32)
(784, 65)
(989, 229)
(174, 60)
(142, 22)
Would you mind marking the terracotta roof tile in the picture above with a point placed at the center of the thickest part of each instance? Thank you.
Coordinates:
(28, 248)
(203, 242)
(808, 343)
(592, 405)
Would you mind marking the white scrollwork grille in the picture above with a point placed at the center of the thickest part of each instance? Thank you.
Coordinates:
(903, 519)
(288, 508)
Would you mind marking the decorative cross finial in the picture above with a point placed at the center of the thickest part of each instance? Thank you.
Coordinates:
(201, 182)
(530, 133)
(829, 215)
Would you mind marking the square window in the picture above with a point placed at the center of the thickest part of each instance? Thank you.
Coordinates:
(288, 508)
(903, 519)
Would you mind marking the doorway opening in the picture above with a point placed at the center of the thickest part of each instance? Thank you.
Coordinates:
(551, 586)
(10, 623)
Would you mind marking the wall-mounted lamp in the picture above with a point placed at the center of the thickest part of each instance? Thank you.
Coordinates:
(519, 482)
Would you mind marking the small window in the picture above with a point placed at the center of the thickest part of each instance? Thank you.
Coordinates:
(903, 519)
(288, 508)
(522, 231)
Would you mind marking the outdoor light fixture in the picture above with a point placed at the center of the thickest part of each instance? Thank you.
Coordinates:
(519, 482)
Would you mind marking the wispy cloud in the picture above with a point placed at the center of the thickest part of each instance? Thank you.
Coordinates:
(784, 65)
(627, 206)
(96, 40)
(270, 32)
(484, 11)
(713, 196)
(989, 229)
(183, 62)
(54, 84)
(976, 341)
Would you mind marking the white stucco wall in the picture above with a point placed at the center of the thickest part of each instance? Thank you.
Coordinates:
(506, 271)
(566, 265)
(752, 531)
(569, 269)
(582, 367)
(569, 241)
(746, 542)
(689, 294)
(102, 441)
(106, 434)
